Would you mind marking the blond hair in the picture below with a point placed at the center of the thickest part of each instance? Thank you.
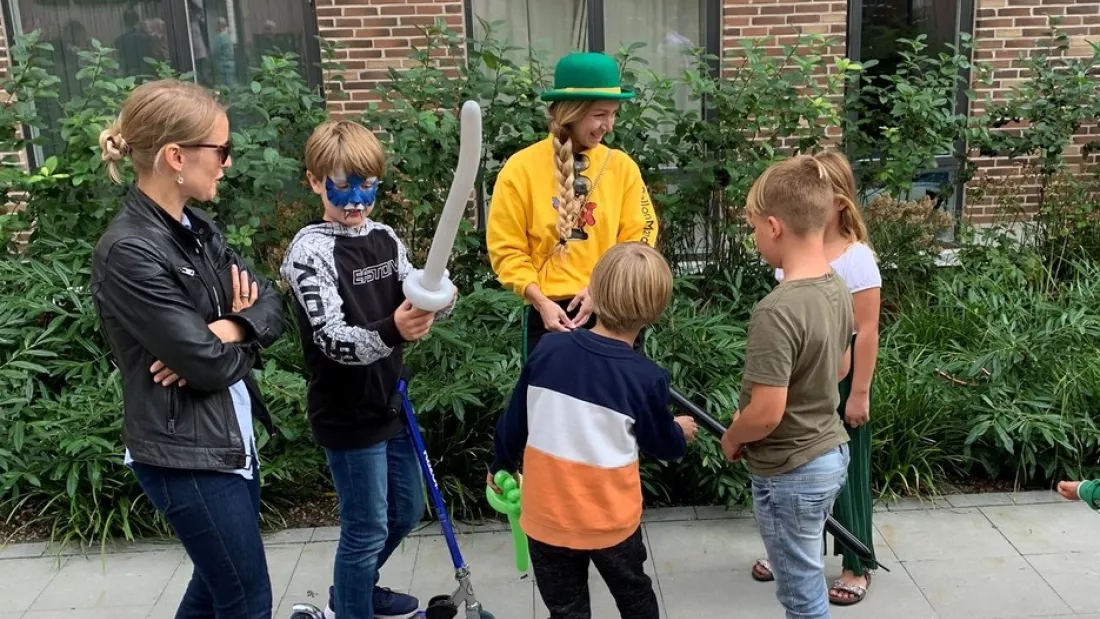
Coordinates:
(631, 286)
(561, 115)
(157, 114)
(796, 191)
(346, 146)
(850, 220)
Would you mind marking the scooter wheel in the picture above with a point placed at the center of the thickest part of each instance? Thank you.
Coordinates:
(301, 615)
(487, 615)
(441, 607)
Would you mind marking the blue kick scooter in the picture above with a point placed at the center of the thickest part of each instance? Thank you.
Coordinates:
(440, 606)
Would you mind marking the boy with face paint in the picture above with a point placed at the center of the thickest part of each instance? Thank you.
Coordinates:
(346, 275)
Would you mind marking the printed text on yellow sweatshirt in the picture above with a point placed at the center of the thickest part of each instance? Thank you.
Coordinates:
(523, 218)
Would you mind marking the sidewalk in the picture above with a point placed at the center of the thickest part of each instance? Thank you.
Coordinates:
(967, 557)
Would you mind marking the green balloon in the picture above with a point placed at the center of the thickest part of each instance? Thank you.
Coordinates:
(509, 502)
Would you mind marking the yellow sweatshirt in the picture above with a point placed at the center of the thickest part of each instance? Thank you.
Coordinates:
(522, 229)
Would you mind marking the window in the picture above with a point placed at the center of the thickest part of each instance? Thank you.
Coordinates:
(874, 27)
(553, 28)
(218, 39)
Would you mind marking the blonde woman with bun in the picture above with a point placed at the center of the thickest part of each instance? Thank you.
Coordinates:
(186, 323)
(561, 203)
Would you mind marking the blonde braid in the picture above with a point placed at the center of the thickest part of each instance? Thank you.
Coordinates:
(569, 208)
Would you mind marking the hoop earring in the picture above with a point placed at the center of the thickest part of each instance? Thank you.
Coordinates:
(179, 179)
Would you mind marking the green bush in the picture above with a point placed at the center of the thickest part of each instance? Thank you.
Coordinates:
(986, 369)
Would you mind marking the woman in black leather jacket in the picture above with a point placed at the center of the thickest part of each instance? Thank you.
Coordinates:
(186, 323)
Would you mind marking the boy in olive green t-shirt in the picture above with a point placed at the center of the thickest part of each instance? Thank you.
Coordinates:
(787, 429)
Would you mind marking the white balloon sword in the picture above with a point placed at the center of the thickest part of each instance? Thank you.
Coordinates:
(431, 289)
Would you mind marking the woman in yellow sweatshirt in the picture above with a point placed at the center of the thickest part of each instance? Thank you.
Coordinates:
(562, 202)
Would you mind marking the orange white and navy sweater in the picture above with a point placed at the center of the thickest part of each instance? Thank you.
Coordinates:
(583, 408)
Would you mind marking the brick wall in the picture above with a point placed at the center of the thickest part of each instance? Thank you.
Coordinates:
(784, 21)
(377, 35)
(1004, 29)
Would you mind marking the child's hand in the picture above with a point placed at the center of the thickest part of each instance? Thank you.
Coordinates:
(688, 425)
(731, 448)
(1068, 490)
(412, 323)
(492, 484)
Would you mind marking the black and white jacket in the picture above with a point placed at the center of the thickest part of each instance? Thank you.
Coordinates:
(347, 284)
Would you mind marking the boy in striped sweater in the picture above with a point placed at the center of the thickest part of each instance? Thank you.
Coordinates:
(584, 407)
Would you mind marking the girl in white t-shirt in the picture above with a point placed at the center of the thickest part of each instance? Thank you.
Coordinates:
(852, 258)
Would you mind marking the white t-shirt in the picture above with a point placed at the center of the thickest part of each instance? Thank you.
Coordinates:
(856, 266)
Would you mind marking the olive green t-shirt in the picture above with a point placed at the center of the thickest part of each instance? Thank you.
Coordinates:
(797, 337)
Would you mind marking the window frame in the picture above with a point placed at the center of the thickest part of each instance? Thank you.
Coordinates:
(948, 162)
(180, 54)
(710, 27)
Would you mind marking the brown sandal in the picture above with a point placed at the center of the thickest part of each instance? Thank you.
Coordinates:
(855, 590)
(764, 573)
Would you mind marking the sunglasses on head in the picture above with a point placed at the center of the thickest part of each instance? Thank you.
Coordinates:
(224, 150)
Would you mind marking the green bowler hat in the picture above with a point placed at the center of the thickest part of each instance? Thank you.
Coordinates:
(587, 76)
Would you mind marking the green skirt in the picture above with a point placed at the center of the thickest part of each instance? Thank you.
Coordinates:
(853, 507)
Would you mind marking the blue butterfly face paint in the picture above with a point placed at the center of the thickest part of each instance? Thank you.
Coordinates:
(353, 193)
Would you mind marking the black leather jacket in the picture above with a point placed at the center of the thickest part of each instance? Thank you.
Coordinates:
(156, 286)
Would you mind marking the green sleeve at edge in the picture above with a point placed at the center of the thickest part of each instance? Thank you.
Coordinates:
(1089, 491)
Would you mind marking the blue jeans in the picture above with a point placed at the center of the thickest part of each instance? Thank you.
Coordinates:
(381, 500)
(217, 517)
(791, 509)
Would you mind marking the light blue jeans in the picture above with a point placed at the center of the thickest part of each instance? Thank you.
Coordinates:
(791, 509)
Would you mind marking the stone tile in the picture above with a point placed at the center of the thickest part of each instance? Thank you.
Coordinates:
(908, 504)
(668, 514)
(942, 534)
(11, 615)
(703, 546)
(985, 588)
(111, 580)
(312, 574)
(988, 499)
(1045, 529)
(1075, 576)
(281, 562)
(488, 555)
(719, 512)
(22, 580)
(718, 594)
(22, 551)
(325, 534)
(1037, 497)
(891, 594)
(120, 612)
(507, 601)
(288, 536)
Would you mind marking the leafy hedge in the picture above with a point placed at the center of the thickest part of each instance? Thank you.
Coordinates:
(986, 369)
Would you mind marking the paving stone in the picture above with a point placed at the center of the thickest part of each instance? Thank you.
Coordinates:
(720, 512)
(288, 536)
(1075, 576)
(942, 534)
(325, 534)
(490, 557)
(703, 546)
(131, 579)
(989, 499)
(669, 514)
(122, 612)
(1045, 529)
(985, 588)
(1036, 497)
(23, 551)
(23, 580)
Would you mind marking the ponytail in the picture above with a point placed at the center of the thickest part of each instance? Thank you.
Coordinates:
(849, 220)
